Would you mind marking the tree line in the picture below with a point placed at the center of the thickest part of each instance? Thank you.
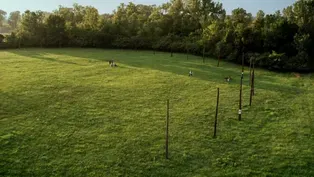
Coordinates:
(283, 40)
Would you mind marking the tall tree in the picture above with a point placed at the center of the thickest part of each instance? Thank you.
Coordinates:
(2, 17)
(193, 26)
(56, 31)
(33, 28)
(14, 19)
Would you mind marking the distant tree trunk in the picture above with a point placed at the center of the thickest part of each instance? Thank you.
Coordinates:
(171, 52)
(187, 54)
(241, 83)
(187, 51)
(19, 45)
(218, 60)
(203, 53)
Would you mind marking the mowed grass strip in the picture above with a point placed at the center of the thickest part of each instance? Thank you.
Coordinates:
(65, 112)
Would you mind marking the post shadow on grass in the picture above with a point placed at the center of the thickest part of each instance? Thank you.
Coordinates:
(176, 65)
(167, 131)
(216, 115)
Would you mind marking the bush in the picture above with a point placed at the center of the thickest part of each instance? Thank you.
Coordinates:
(298, 62)
(1, 38)
(233, 56)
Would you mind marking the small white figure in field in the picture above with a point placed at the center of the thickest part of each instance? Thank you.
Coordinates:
(190, 73)
(112, 63)
(228, 79)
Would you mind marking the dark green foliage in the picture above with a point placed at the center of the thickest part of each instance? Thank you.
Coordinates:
(1, 38)
(178, 26)
(56, 33)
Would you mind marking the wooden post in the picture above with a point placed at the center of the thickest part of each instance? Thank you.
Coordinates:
(167, 131)
(253, 79)
(241, 83)
(216, 116)
(250, 71)
(252, 84)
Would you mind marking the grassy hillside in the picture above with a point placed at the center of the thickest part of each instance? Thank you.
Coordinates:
(65, 112)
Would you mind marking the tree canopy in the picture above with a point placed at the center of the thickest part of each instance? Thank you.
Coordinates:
(283, 40)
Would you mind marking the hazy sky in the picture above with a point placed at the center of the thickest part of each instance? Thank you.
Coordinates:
(107, 6)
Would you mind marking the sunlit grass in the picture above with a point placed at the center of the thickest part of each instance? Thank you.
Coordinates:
(65, 112)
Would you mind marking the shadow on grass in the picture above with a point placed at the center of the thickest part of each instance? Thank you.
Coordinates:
(53, 60)
(41, 56)
(163, 62)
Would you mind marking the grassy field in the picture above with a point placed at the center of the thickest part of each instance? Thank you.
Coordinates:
(65, 112)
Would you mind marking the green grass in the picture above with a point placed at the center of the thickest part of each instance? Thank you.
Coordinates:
(65, 112)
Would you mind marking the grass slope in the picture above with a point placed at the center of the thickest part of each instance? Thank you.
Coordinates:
(65, 112)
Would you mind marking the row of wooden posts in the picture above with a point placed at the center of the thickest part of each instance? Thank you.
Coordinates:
(252, 83)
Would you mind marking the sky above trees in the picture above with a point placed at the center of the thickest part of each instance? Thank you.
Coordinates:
(107, 6)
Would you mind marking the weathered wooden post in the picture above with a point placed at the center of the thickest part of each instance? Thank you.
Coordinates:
(253, 79)
(241, 83)
(252, 84)
(250, 71)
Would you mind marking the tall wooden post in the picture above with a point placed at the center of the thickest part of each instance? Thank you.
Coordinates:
(250, 71)
(252, 84)
(216, 116)
(251, 91)
(167, 131)
(253, 79)
(241, 83)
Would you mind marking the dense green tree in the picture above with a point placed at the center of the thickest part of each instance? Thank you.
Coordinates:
(56, 31)
(32, 30)
(14, 19)
(279, 40)
(2, 17)
(1, 38)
